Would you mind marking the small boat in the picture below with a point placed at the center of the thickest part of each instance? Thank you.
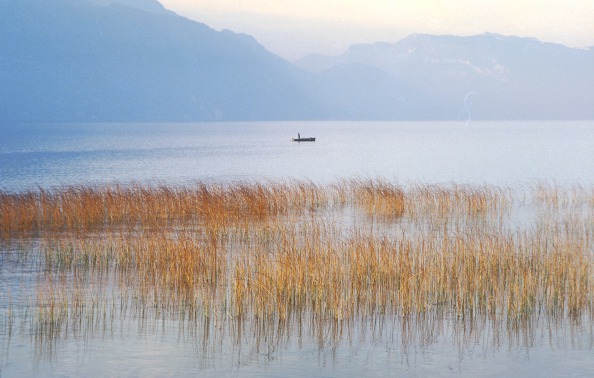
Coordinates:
(299, 139)
(310, 139)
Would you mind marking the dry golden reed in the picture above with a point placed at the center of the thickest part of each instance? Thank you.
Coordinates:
(274, 250)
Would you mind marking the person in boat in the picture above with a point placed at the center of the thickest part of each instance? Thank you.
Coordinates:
(298, 136)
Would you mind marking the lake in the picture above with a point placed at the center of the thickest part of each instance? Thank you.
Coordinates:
(109, 325)
(501, 153)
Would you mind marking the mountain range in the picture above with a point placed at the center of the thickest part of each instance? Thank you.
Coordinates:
(489, 76)
(134, 60)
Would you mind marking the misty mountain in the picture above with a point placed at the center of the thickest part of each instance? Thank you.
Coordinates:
(134, 60)
(486, 76)
(354, 91)
(116, 60)
(151, 6)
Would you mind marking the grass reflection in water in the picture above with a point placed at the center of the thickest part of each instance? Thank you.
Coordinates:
(269, 263)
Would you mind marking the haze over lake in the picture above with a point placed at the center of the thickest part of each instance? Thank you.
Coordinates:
(500, 153)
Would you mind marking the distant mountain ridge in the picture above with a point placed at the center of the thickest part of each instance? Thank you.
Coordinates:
(500, 77)
(77, 60)
(134, 60)
(151, 6)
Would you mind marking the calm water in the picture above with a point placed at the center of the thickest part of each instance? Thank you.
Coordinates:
(503, 153)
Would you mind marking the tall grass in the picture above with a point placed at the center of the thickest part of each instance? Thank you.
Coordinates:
(276, 251)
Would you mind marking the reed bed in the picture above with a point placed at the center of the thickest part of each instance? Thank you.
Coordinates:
(86, 209)
(277, 251)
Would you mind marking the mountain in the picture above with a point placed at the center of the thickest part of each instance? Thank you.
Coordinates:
(134, 60)
(116, 60)
(354, 91)
(486, 76)
(151, 6)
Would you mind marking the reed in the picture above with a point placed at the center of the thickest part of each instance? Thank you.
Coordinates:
(378, 198)
(273, 251)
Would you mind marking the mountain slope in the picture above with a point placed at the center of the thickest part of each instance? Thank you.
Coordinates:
(360, 92)
(134, 60)
(66, 60)
(485, 76)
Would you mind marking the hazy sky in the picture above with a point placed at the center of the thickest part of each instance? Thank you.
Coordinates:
(294, 28)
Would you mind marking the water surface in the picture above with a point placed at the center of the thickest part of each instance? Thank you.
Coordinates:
(500, 153)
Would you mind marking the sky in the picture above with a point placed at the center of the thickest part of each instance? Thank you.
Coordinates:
(295, 28)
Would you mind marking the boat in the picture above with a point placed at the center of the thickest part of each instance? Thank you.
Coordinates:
(299, 139)
(310, 139)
